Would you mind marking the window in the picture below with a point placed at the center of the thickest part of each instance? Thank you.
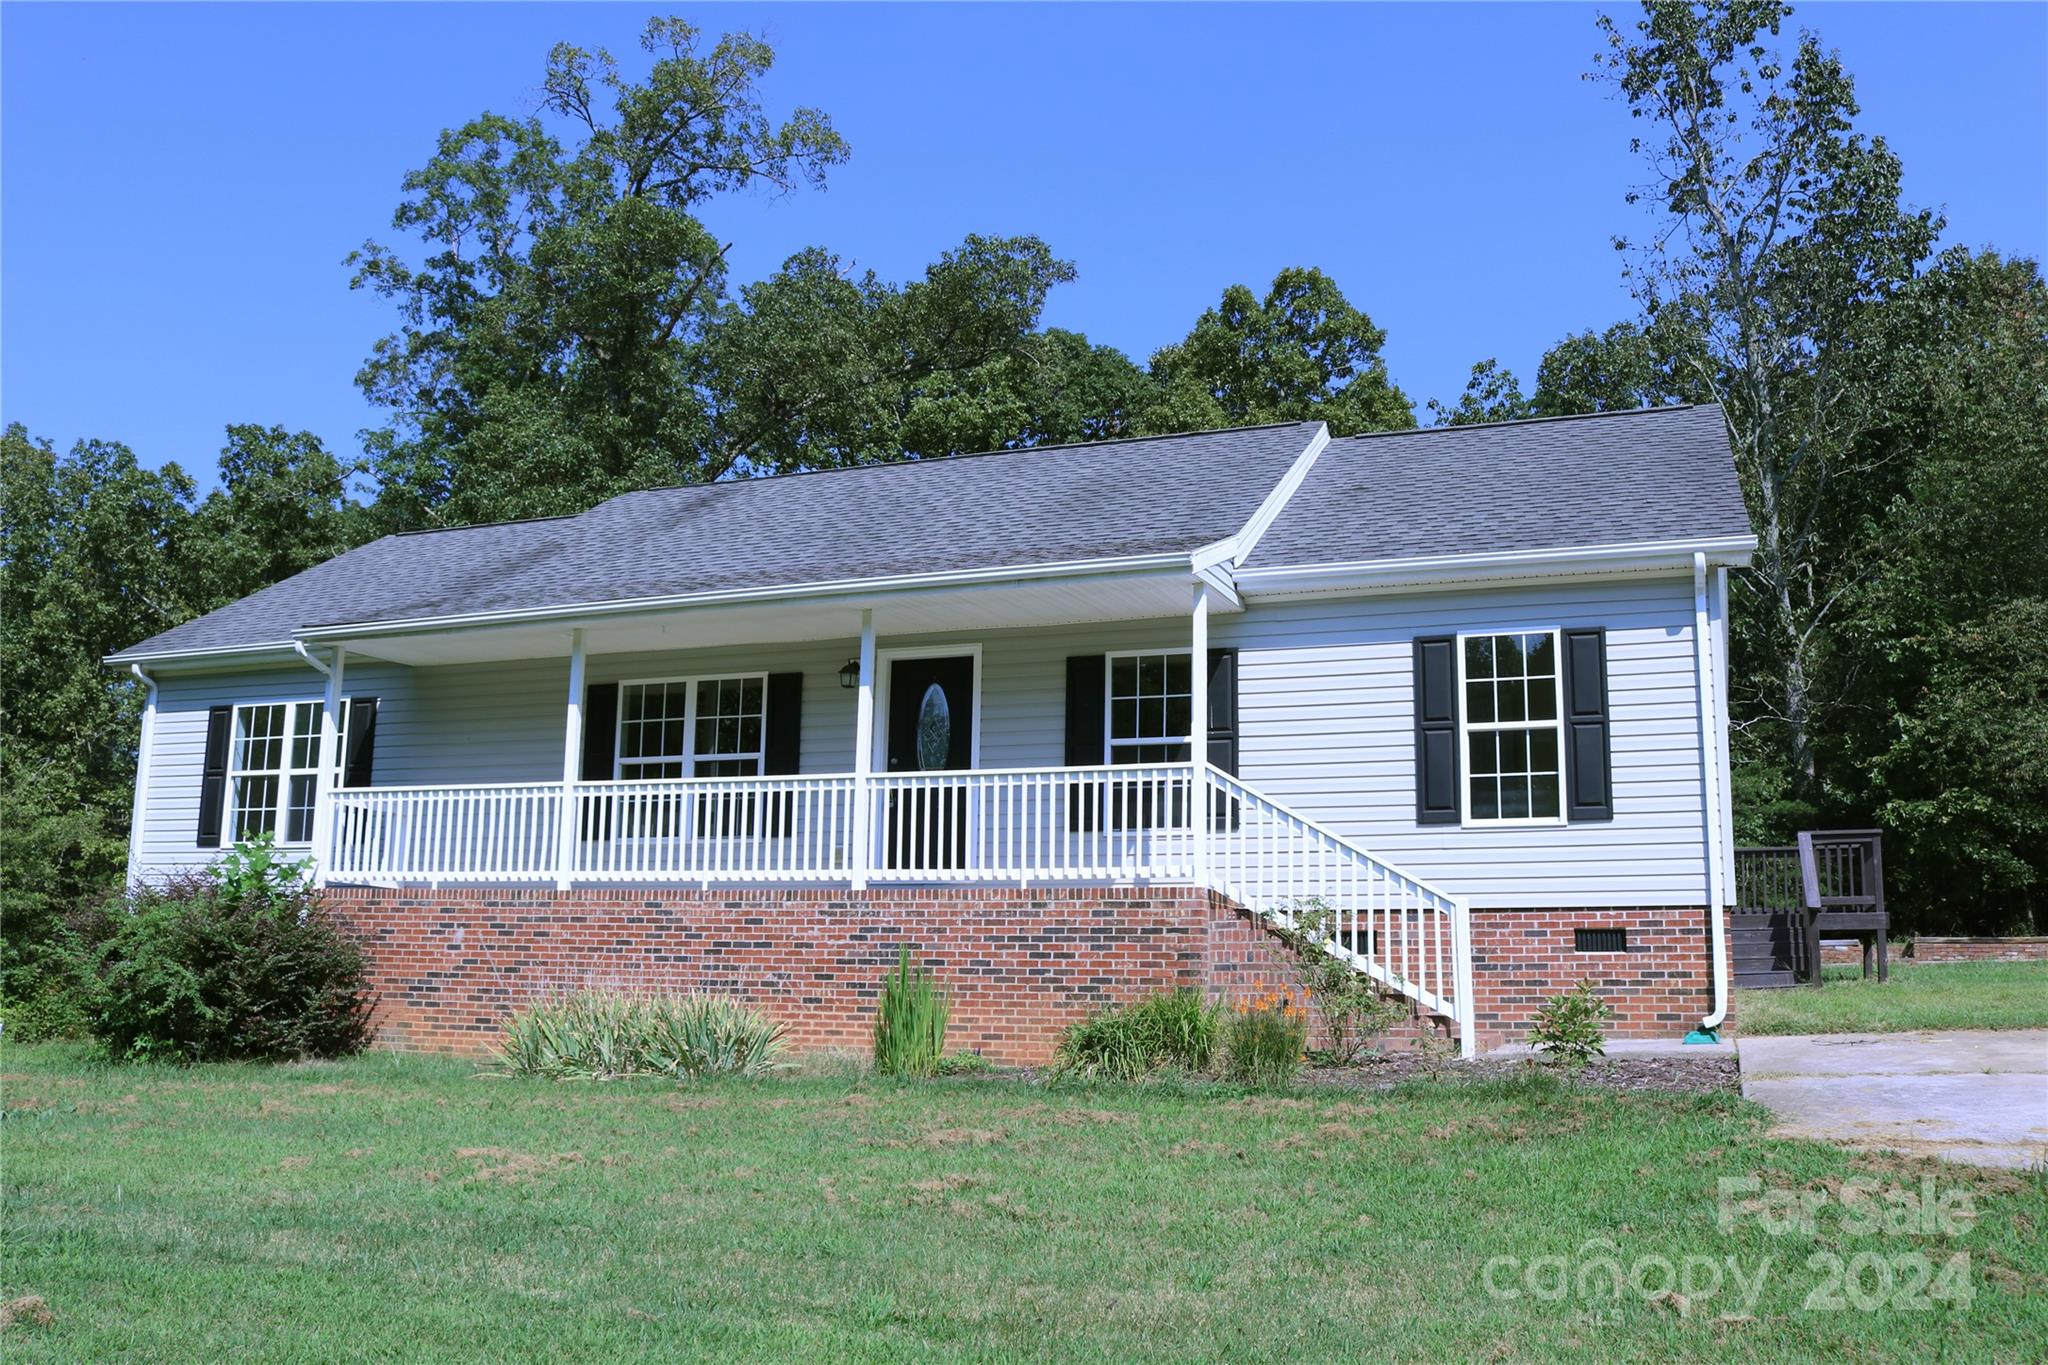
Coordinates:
(1151, 700)
(1511, 730)
(274, 768)
(696, 727)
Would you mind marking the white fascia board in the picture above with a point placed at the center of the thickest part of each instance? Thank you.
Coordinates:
(858, 589)
(1269, 510)
(279, 652)
(1222, 584)
(1672, 556)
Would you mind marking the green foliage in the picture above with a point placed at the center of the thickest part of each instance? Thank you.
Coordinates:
(910, 1023)
(204, 970)
(1264, 1043)
(56, 1010)
(1171, 1029)
(605, 1035)
(1569, 1027)
(1492, 394)
(1353, 1011)
(1302, 353)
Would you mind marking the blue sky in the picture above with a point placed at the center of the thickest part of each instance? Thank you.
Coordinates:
(178, 185)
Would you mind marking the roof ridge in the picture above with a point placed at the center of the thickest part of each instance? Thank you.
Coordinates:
(911, 463)
(1654, 409)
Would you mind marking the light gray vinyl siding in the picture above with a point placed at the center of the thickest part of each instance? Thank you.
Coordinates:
(1326, 709)
(1326, 726)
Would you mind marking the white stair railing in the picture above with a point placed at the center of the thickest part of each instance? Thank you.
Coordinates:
(1408, 936)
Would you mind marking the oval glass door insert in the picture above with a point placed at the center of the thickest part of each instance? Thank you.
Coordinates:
(934, 729)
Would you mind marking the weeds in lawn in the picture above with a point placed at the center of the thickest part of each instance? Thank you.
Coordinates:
(910, 1026)
(1171, 1029)
(1265, 1042)
(1353, 1011)
(601, 1035)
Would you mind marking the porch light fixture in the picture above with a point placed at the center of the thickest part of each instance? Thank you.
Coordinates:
(849, 674)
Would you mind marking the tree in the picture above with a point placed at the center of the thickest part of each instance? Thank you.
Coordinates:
(1303, 353)
(1492, 394)
(94, 555)
(1780, 227)
(1610, 371)
(550, 347)
(284, 504)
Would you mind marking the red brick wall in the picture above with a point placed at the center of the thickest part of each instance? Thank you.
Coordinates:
(1021, 964)
(1980, 950)
(1660, 988)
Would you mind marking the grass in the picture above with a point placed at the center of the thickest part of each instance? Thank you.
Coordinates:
(1936, 995)
(400, 1207)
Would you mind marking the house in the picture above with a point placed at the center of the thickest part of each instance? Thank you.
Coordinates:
(1072, 722)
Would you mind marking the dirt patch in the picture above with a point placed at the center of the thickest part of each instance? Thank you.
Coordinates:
(958, 1137)
(498, 1166)
(30, 1310)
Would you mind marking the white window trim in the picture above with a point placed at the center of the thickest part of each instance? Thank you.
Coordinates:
(1109, 740)
(285, 772)
(1466, 820)
(689, 755)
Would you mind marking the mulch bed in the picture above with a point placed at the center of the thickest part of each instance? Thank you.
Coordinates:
(1668, 1075)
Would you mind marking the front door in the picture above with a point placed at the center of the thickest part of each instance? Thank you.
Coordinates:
(930, 728)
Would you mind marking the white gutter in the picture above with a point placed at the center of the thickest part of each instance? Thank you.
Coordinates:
(1710, 784)
(300, 647)
(1355, 575)
(139, 806)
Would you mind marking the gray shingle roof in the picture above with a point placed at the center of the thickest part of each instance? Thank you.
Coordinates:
(1613, 478)
(1046, 505)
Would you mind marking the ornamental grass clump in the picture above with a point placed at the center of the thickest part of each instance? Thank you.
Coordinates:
(1264, 1041)
(1172, 1029)
(606, 1035)
(910, 1025)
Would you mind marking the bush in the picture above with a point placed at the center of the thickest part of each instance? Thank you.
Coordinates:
(56, 1010)
(1176, 1028)
(1353, 1010)
(242, 963)
(910, 1026)
(604, 1035)
(1567, 1028)
(1264, 1042)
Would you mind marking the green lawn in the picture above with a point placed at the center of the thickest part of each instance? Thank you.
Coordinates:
(391, 1207)
(1938, 995)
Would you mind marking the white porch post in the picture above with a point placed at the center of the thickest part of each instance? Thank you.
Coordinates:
(572, 756)
(1198, 734)
(863, 754)
(331, 761)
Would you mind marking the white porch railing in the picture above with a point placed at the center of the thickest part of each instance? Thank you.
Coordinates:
(1016, 826)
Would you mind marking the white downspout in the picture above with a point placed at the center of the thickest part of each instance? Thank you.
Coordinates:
(140, 804)
(330, 738)
(1710, 786)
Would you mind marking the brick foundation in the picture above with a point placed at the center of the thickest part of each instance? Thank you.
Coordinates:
(1979, 950)
(1021, 964)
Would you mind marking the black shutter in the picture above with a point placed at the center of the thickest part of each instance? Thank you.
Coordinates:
(213, 776)
(1588, 758)
(1222, 749)
(1087, 687)
(1436, 730)
(361, 756)
(782, 744)
(600, 730)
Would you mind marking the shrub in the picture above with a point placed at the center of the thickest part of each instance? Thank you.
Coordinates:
(1175, 1028)
(1568, 1027)
(234, 964)
(1264, 1042)
(910, 1026)
(604, 1035)
(1353, 1010)
(56, 1010)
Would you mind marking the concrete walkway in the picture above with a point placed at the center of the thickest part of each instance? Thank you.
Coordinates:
(1975, 1097)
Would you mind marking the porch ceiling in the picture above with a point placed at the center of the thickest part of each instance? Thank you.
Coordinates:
(983, 606)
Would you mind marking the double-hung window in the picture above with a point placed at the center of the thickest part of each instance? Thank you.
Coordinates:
(274, 770)
(1512, 730)
(694, 727)
(1151, 703)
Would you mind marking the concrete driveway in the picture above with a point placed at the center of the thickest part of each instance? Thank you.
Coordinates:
(1976, 1097)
